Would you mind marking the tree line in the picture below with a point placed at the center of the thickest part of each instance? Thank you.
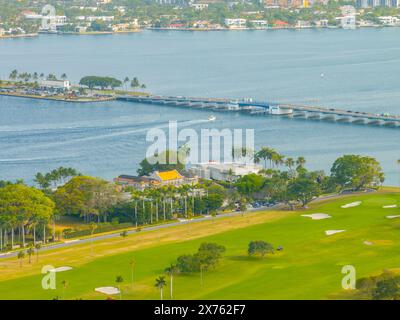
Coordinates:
(29, 211)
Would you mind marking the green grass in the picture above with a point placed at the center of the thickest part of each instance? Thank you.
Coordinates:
(309, 267)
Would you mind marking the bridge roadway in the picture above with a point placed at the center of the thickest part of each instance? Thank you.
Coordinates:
(247, 105)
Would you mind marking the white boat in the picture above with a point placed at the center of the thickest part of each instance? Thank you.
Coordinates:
(212, 118)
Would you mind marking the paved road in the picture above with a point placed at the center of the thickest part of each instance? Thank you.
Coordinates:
(150, 228)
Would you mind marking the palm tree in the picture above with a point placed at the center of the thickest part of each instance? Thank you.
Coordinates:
(21, 256)
(13, 75)
(289, 162)
(160, 284)
(126, 80)
(64, 76)
(301, 161)
(93, 227)
(119, 280)
(277, 159)
(132, 264)
(263, 153)
(170, 271)
(64, 284)
(30, 252)
(38, 246)
(135, 83)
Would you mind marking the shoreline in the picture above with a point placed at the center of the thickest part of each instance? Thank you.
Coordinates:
(95, 33)
(16, 36)
(26, 96)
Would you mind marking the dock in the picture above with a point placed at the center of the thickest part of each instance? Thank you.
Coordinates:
(270, 108)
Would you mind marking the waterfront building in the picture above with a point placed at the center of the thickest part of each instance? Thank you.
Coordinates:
(389, 20)
(323, 23)
(155, 180)
(235, 23)
(138, 183)
(259, 23)
(173, 177)
(287, 3)
(377, 3)
(55, 84)
(120, 27)
(223, 171)
(100, 18)
(199, 6)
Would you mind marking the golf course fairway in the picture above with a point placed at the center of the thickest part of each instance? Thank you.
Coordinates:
(308, 267)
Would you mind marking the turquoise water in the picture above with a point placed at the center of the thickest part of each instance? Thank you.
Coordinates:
(360, 68)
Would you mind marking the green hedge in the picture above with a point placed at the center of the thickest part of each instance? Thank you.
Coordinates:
(69, 234)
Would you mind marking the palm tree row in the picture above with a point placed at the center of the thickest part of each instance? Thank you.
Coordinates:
(26, 77)
(161, 204)
(276, 159)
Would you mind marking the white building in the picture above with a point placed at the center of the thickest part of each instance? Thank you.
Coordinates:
(235, 23)
(348, 18)
(348, 22)
(199, 6)
(259, 23)
(55, 84)
(389, 20)
(223, 171)
(101, 18)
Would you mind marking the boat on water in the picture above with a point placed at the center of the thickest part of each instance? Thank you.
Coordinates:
(212, 118)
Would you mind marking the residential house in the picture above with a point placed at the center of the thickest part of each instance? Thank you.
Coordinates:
(138, 183)
(236, 23)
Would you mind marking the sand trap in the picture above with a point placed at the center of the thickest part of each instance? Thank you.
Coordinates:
(393, 217)
(317, 216)
(390, 206)
(107, 290)
(61, 269)
(368, 243)
(352, 204)
(331, 232)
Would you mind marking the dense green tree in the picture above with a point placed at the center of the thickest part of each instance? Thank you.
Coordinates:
(386, 289)
(259, 248)
(86, 197)
(358, 172)
(303, 189)
(100, 82)
(250, 184)
(21, 207)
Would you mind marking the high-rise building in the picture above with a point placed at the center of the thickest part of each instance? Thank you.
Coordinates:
(377, 3)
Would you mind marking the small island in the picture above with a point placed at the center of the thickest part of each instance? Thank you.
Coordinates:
(50, 87)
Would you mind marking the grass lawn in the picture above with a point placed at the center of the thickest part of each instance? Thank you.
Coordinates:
(309, 267)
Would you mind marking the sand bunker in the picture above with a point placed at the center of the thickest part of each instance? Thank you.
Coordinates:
(317, 216)
(107, 290)
(390, 206)
(393, 217)
(61, 269)
(368, 243)
(331, 232)
(352, 204)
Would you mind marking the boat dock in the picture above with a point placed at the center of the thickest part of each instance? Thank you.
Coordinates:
(271, 108)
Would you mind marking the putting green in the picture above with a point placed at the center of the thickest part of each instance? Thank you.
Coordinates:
(308, 267)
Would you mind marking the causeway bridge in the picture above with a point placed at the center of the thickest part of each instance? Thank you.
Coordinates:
(270, 108)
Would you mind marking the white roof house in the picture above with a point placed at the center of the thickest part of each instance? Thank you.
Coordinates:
(224, 171)
(56, 84)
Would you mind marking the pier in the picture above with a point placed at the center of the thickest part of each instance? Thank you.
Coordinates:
(271, 108)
